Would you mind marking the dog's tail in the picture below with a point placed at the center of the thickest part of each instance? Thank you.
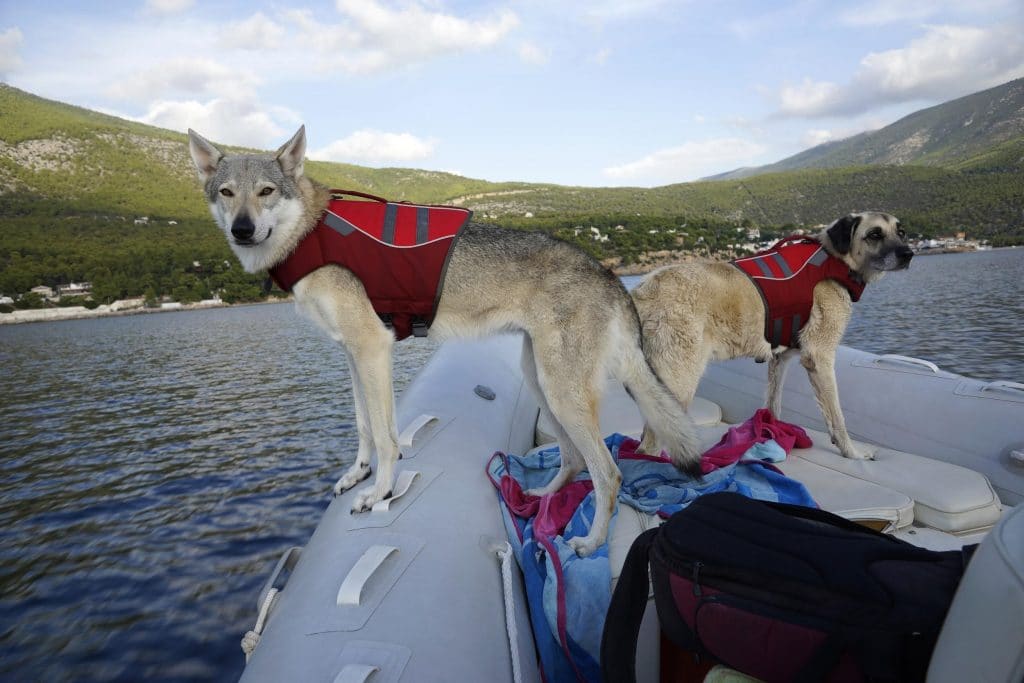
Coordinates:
(661, 410)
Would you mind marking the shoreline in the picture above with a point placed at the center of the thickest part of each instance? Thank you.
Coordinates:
(43, 315)
(46, 315)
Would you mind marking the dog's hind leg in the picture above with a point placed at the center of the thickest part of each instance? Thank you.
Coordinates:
(777, 365)
(571, 381)
(571, 460)
(360, 469)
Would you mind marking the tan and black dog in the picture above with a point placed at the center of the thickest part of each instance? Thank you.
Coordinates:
(696, 312)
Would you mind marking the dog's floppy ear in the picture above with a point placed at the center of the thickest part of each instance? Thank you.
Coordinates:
(840, 233)
(204, 154)
(291, 153)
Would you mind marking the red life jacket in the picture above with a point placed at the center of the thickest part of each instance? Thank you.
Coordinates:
(785, 276)
(399, 251)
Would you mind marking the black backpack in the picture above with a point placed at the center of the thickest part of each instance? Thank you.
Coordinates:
(782, 593)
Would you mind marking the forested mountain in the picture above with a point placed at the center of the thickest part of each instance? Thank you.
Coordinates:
(75, 186)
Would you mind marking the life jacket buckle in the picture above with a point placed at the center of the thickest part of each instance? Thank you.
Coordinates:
(419, 327)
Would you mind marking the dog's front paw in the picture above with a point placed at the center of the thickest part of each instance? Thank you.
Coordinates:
(357, 473)
(368, 497)
(854, 453)
(584, 545)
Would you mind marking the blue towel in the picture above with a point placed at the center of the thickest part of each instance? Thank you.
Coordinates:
(568, 595)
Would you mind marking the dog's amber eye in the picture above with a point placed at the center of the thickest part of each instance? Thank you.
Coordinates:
(226, 192)
(875, 235)
(266, 191)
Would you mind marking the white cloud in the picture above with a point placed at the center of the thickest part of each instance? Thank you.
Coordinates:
(230, 121)
(10, 42)
(531, 53)
(376, 147)
(808, 97)
(886, 12)
(601, 56)
(688, 161)
(817, 136)
(190, 76)
(255, 33)
(611, 11)
(168, 6)
(946, 62)
(376, 38)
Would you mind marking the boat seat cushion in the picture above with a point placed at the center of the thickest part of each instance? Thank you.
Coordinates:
(946, 497)
(620, 414)
(849, 497)
(628, 524)
(981, 637)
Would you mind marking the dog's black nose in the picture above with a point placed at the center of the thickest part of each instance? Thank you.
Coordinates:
(904, 254)
(243, 228)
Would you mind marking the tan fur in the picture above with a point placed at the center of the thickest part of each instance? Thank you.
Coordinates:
(697, 312)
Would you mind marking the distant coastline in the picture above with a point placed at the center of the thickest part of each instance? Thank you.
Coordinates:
(40, 315)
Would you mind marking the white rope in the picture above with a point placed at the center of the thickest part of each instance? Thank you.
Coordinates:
(252, 638)
(510, 610)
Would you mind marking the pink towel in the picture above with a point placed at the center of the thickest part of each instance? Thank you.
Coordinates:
(761, 427)
(553, 511)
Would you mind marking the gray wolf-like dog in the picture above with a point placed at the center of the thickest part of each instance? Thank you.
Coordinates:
(577, 320)
(695, 312)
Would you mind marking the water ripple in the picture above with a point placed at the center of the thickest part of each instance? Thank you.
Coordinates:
(155, 467)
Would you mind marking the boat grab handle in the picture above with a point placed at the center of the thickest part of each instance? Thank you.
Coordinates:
(356, 673)
(1003, 384)
(894, 358)
(287, 561)
(351, 590)
(409, 433)
(401, 488)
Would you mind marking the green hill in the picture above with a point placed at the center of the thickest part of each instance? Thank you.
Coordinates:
(75, 185)
(961, 133)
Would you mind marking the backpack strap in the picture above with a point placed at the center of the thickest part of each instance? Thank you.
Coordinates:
(626, 611)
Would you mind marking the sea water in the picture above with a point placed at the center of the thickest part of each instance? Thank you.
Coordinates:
(156, 466)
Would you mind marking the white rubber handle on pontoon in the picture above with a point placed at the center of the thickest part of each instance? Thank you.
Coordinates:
(352, 587)
(356, 673)
(401, 487)
(907, 359)
(409, 433)
(1004, 385)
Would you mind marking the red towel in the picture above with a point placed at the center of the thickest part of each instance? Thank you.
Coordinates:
(761, 427)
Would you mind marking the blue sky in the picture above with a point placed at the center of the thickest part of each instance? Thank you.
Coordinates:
(592, 93)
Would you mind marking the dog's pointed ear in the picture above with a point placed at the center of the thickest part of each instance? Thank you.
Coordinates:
(292, 153)
(204, 154)
(841, 232)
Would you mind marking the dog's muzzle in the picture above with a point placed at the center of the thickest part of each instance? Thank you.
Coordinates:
(243, 229)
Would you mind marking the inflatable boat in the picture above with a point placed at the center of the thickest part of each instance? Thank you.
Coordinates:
(424, 588)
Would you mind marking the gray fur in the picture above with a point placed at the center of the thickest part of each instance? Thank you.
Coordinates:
(578, 322)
